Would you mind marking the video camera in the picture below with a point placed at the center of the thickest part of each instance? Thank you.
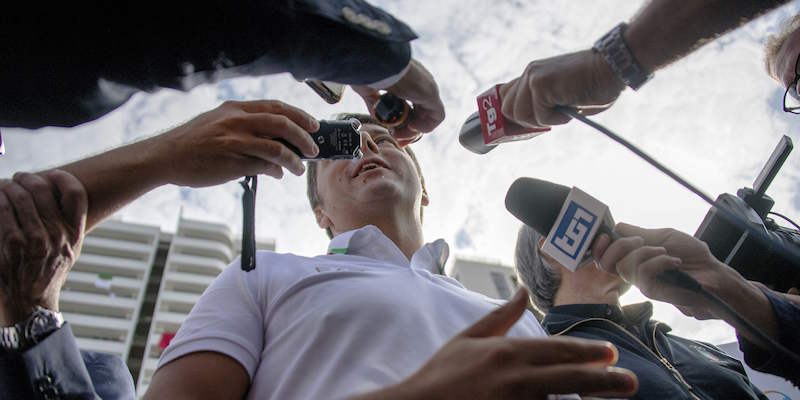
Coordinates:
(755, 259)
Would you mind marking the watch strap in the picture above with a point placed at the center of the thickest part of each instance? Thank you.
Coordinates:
(615, 51)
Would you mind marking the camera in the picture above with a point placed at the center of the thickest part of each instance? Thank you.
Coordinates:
(765, 261)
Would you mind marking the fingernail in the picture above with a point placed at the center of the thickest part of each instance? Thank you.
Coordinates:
(623, 379)
(314, 124)
(675, 261)
(315, 151)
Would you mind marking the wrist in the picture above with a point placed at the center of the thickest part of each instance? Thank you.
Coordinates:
(12, 314)
(156, 165)
(604, 75)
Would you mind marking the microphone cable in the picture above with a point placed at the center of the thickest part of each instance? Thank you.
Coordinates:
(680, 278)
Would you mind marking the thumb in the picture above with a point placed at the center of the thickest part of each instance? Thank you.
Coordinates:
(499, 321)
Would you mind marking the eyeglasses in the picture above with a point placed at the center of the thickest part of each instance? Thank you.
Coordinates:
(791, 99)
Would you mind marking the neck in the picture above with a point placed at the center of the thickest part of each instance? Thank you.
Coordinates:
(402, 226)
(579, 293)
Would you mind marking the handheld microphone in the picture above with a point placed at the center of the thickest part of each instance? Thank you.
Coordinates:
(485, 129)
(570, 219)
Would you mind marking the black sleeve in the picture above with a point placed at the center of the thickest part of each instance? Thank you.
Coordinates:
(70, 63)
(787, 315)
(53, 368)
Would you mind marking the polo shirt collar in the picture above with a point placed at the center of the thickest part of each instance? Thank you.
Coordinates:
(370, 242)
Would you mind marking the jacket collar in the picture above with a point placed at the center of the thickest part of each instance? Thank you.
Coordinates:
(561, 317)
(370, 242)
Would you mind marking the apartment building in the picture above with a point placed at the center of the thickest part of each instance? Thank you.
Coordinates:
(133, 285)
(490, 278)
(103, 294)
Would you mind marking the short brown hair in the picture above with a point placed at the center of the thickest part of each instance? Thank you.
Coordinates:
(311, 171)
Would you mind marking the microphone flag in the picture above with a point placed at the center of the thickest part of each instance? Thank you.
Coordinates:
(570, 239)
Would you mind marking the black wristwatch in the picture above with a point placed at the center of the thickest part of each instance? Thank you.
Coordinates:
(619, 57)
(33, 330)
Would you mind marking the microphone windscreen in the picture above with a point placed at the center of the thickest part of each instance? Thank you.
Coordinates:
(471, 136)
(536, 202)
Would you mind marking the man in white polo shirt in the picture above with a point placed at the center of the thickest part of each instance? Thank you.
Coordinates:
(373, 318)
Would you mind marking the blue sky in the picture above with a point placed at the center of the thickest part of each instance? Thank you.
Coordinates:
(713, 117)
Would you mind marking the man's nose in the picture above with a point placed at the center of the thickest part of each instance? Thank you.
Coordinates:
(367, 144)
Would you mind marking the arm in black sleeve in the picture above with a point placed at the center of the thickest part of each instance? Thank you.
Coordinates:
(55, 368)
(787, 316)
(76, 67)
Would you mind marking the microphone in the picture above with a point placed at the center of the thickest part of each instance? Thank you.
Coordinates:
(570, 219)
(486, 128)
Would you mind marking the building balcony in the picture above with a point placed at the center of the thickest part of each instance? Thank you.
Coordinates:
(179, 302)
(195, 264)
(97, 304)
(98, 327)
(115, 266)
(88, 282)
(205, 230)
(117, 248)
(186, 281)
(202, 248)
(167, 321)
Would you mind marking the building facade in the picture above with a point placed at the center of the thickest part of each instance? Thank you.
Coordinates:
(132, 286)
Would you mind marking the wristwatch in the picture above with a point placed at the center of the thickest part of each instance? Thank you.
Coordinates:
(619, 57)
(33, 330)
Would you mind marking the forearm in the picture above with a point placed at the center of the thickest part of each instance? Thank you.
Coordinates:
(667, 30)
(117, 177)
(752, 305)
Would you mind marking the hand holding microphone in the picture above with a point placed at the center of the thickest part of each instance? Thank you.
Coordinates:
(665, 264)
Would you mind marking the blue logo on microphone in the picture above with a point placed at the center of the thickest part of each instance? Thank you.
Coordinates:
(573, 230)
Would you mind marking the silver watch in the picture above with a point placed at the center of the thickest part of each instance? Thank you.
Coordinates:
(619, 57)
(33, 330)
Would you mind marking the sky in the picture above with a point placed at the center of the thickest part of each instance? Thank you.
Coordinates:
(713, 117)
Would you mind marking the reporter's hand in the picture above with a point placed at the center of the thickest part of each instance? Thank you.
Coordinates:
(480, 363)
(582, 80)
(642, 255)
(42, 220)
(234, 140)
(418, 87)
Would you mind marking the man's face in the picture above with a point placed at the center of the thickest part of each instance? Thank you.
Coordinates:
(384, 179)
(786, 60)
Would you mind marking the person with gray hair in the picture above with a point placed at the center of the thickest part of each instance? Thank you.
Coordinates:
(585, 304)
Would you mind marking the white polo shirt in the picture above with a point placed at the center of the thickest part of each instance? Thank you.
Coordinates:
(358, 319)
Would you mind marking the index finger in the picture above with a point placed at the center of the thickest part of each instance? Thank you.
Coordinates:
(617, 250)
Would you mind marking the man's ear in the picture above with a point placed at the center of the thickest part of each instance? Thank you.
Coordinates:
(322, 219)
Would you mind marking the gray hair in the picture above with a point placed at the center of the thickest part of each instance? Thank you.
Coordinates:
(535, 273)
(775, 42)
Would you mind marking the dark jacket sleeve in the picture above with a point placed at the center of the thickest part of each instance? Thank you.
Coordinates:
(75, 67)
(56, 369)
(787, 316)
